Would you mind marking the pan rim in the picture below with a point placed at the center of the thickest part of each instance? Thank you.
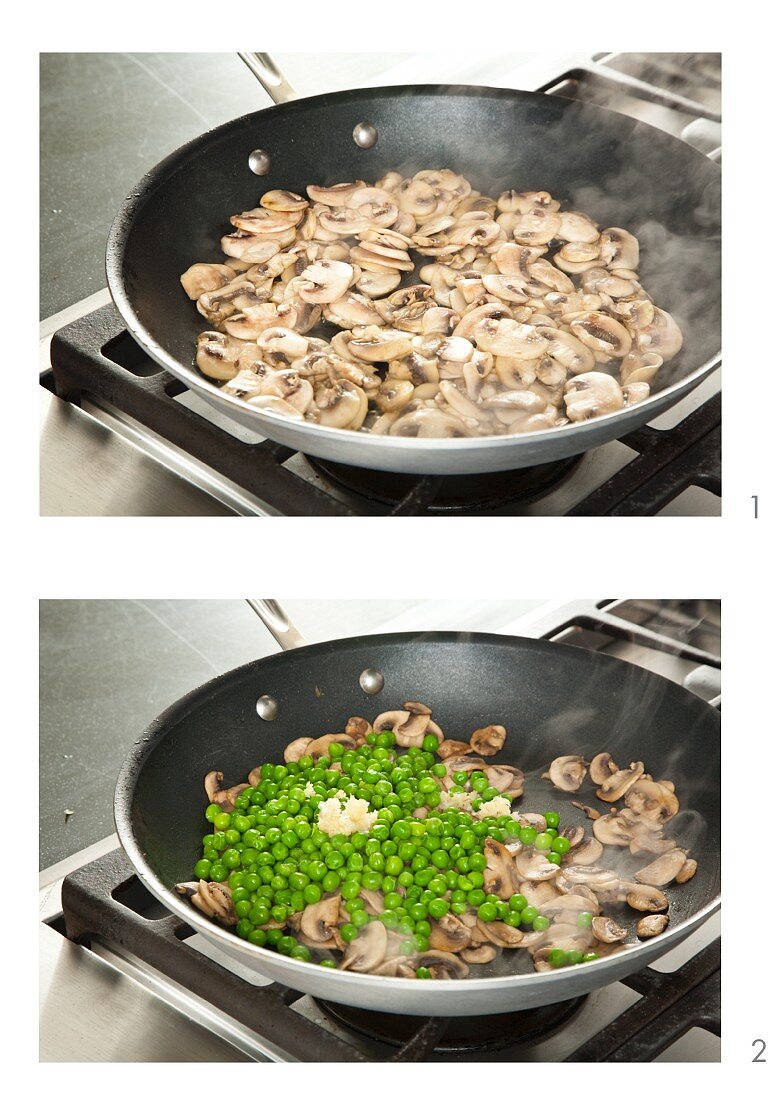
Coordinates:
(235, 945)
(570, 435)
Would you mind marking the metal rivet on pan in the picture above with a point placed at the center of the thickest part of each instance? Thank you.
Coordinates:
(365, 135)
(371, 681)
(267, 708)
(259, 162)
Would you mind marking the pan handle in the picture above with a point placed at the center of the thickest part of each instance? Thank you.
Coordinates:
(270, 77)
(277, 623)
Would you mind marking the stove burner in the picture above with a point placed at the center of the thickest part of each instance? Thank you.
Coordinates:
(458, 1034)
(449, 495)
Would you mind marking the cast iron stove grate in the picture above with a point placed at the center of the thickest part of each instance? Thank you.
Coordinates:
(105, 899)
(96, 358)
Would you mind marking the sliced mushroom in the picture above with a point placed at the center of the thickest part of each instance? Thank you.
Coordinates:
(449, 748)
(597, 878)
(652, 926)
(488, 740)
(654, 802)
(602, 767)
(612, 829)
(201, 278)
(567, 773)
(320, 746)
(590, 811)
(483, 953)
(647, 899)
(499, 873)
(508, 781)
(607, 930)
(619, 783)
(586, 853)
(603, 333)
(663, 870)
(343, 405)
(687, 871)
(533, 866)
(590, 395)
(295, 750)
(367, 950)
(319, 921)
(358, 729)
(324, 281)
(450, 934)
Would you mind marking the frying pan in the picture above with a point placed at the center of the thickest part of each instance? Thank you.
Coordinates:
(553, 699)
(620, 171)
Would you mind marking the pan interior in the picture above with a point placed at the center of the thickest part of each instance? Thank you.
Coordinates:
(552, 699)
(618, 170)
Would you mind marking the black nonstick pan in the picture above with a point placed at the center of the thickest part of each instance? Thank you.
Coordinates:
(553, 699)
(620, 171)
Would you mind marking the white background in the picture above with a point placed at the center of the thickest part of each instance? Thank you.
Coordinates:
(734, 558)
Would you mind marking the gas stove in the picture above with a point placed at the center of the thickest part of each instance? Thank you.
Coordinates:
(124, 980)
(164, 452)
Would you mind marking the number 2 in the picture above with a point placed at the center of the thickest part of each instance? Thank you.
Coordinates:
(758, 1056)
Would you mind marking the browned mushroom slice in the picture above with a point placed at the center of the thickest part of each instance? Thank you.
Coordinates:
(254, 777)
(368, 950)
(358, 729)
(488, 740)
(652, 926)
(655, 802)
(567, 773)
(602, 767)
(647, 899)
(295, 750)
(619, 783)
(687, 871)
(663, 870)
(450, 934)
(320, 747)
(223, 798)
(534, 821)
(607, 930)
(452, 748)
(499, 873)
(484, 953)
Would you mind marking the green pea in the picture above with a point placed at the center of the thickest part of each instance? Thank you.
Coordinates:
(529, 914)
(438, 908)
(552, 820)
(528, 834)
(584, 920)
(557, 957)
(258, 937)
(543, 842)
(539, 924)
(560, 845)
(202, 868)
(423, 972)
(487, 911)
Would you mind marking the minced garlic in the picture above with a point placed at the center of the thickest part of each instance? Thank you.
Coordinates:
(496, 807)
(343, 819)
(460, 800)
